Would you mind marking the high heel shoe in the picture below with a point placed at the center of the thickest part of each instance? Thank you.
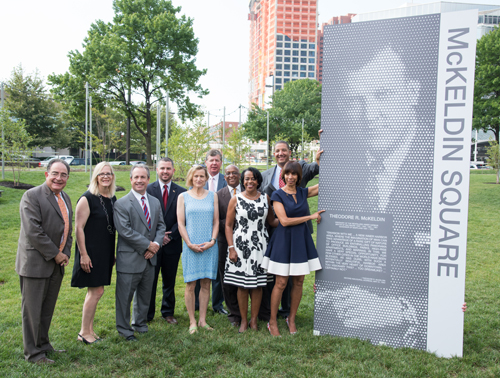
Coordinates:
(288, 325)
(85, 341)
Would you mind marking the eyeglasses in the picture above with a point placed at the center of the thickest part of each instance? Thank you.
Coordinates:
(232, 174)
(105, 174)
(58, 174)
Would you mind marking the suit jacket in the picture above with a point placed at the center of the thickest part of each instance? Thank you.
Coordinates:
(224, 197)
(169, 215)
(309, 171)
(220, 184)
(134, 234)
(42, 227)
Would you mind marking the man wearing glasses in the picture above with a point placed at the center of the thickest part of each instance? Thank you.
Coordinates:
(43, 251)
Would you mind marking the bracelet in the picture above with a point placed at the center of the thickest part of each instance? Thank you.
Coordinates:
(212, 239)
(231, 246)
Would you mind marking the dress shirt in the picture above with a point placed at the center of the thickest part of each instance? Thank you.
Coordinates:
(215, 180)
(276, 177)
(139, 196)
(65, 205)
(231, 190)
(169, 184)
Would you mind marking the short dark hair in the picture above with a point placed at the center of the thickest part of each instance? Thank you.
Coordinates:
(292, 167)
(281, 142)
(166, 160)
(256, 174)
(213, 152)
(57, 160)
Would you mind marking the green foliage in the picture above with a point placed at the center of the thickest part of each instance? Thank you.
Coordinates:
(15, 146)
(27, 100)
(236, 148)
(297, 100)
(487, 84)
(147, 49)
(493, 154)
(187, 145)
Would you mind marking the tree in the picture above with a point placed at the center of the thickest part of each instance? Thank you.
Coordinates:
(493, 153)
(236, 147)
(297, 100)
(16, 143)
(27, 100)
(487, 84)
(147, 49)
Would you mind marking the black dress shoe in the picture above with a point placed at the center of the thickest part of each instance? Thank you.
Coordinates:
(131, 338)
(221, 311)
(85, 341)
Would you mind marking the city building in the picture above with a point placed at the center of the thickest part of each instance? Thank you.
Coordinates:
(283, 44)
(337, 20)
(216, 130)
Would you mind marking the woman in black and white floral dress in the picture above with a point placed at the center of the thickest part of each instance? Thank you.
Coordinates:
(247, 239)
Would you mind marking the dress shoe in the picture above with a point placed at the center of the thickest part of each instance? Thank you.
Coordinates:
(170, 320)
(58, 351)
(85, 341)
(221, 311)
(131, 338)
(44, 360)
(235, 324)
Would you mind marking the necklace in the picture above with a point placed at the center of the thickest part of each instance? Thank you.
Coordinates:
(251, 198)
(110, 228)
(289, 193)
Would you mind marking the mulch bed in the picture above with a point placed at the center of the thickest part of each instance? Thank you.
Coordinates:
(10, 184)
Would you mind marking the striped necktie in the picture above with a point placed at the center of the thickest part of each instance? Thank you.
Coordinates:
(65, 216)
(146, 211)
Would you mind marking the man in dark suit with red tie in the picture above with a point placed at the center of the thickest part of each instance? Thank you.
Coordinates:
(168, 257)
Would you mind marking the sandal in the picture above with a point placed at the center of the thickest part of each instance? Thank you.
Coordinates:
(288, 325)
(207, 327)
(193, 330)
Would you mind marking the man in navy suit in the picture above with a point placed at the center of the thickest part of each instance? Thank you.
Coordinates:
(215, 182)
(168, 256)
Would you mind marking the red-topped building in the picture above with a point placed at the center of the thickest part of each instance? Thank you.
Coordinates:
(283, 45)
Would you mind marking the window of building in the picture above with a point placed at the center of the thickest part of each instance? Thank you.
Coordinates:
(311, 60)
(295, 67)
(302, 74)
(286, 73)
(303, 53)
(279, 44)
(310, 74)
(303, 60)
(303, 68)
(303, 45)
(287, 52)
(311, 46)
(295, 52)
(277, 73)
(312, 53)
(286, 80)
(277, 80)
(287, 66)
(288, 45)
(279, 52)
(287, 38)
(295, 60)
(295, 74)
(312, 68)
(279, 59)
(287, 59)
(278, 87)
(279, 37)
(279, 66)
(295, 45)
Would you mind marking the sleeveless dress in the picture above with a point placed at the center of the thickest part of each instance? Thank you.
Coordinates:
(250, 240)
(291, 251)
(199, 225)
(100, 244)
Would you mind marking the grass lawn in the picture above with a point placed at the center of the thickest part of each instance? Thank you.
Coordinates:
(170, 351)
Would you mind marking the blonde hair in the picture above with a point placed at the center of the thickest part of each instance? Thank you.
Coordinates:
(190, 174)
(94, 185)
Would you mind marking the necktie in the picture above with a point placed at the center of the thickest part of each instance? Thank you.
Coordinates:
(64, 213)
(211, 185)
(234, 191)
(165, 196)
(146, 211)
(281, 182)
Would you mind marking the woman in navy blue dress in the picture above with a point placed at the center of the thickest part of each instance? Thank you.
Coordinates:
(291, 251)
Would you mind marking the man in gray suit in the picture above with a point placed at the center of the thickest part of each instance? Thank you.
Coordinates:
(271, 181)
(43, 251)
(139, 222)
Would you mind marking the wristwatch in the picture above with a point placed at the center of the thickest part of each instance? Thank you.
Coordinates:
(212, 239)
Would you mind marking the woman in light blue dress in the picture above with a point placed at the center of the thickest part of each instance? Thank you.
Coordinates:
(198, 220)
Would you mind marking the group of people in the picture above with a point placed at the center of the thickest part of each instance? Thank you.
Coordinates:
(246, 233)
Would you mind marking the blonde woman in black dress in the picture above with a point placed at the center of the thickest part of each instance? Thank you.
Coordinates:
(95, 244)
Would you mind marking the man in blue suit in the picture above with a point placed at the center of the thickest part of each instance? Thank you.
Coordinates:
(167, 258)
(215, 182)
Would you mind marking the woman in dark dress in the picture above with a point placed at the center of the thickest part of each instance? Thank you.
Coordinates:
(291, 251)
(95, 244)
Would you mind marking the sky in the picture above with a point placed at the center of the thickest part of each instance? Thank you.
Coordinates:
(39, 35)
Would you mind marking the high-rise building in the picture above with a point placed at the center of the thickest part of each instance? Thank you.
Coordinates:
(332, 21)
(282, 45)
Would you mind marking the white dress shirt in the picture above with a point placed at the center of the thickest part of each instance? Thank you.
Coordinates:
(276, 177)
(139, 196)
(231, 190)
(215, 180)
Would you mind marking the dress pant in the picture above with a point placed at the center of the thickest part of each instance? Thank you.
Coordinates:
(39, 297)
(137, 286)
(230, 292)
(168, 263)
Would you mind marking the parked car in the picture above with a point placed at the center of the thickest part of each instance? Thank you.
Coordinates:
(138, 162)
(67, 158)
(117, 162)
(79, 161)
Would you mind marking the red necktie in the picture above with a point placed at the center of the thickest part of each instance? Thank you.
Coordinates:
(281, 182)
(165, 196)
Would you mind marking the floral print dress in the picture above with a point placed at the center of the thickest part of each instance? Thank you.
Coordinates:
(250, 240)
